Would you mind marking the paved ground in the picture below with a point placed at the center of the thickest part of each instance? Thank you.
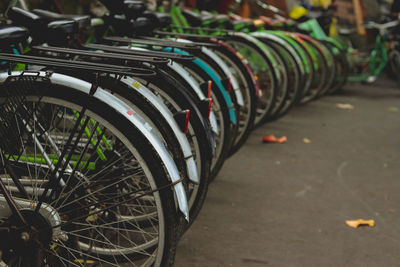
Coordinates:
(286, 205)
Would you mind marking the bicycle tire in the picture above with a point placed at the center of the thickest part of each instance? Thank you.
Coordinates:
(133, 143)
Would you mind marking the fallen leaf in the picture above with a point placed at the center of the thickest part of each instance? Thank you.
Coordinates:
(282, 140)
(344, 106)
(306, 140)
(84, 261)
(92, 218)
(393, 109)
(360, 222)
(391, 210)
(273, 139)
(385, 165)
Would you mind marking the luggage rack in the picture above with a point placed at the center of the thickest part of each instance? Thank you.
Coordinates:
(224, 31)
(200, 36)
(127, 51)
(75, 65)
(195, 43)
(155, 42)
(125, 59)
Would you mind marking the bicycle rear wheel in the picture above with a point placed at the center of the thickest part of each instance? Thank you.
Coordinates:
(109, 199)
(266, 77)
(293, 66)
(176, 99)
(246, 84)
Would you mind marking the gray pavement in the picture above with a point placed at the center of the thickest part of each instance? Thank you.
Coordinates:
(286, 204)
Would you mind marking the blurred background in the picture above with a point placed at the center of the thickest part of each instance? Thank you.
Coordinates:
(344, 11)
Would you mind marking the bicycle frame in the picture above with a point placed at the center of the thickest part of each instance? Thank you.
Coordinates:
(377, 61)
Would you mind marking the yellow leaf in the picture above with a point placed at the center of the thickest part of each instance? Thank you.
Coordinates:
(359, 222)
(344, 106)
(92, 218)
(84, 261)
(306, 140)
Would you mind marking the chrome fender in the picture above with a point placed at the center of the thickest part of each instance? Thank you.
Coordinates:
(190, 80)
(228, 73)
(166, 113)
(196, 87)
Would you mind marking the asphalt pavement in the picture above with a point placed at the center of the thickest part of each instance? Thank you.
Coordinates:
(286, 205)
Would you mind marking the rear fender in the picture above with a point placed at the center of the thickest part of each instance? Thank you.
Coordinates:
(122, 108)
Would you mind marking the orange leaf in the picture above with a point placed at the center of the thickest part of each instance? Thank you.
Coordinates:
(272, 139)
(281, 140)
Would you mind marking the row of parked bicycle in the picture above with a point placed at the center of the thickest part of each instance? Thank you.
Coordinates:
(112, 129)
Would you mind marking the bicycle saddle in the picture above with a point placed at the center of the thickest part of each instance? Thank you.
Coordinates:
(12, 35)
(143, 25)
(81, 20)
(55, 32)
(160, 20)
(26, 19)
(237, 21)
(60, 31)
(214, 19)
(134, 9)
(66, 27)
(234, 17)
(221, 17)
(131, 8)
(196, 19)
(121, 25)
(124, 26)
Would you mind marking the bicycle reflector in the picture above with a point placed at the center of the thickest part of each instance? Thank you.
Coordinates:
(227, 84)
(209, 107)
(182, 119)
(206, 88)
(205, 107)
(209, 89)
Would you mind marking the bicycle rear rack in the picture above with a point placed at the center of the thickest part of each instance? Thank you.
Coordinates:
(193, 42)
(127, 51)
(155, 43)
(220, 31)
(188, 35)
(83, 66)
(122, 59)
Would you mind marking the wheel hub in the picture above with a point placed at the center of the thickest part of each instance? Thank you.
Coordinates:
(24, 241)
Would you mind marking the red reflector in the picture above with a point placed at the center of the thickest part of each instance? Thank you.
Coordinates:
(209, 89)
(209, 107)
(187, 121)
(229, 84)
